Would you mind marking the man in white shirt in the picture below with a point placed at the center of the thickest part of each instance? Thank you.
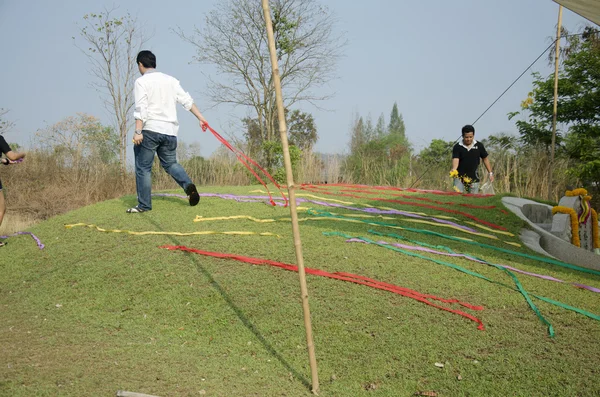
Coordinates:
(156, 126)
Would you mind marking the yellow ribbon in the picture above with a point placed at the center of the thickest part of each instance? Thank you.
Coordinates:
(307, 195)
(270, 220)
(515, 244)
(204, 232)
(364, 205)
(225, 218)
(417, 221)
(449, 226)
(489, 229)
(585, 206)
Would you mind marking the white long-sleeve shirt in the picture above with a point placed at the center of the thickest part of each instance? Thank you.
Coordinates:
(156, 96)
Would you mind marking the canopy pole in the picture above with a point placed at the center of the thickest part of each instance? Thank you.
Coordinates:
(555, 108)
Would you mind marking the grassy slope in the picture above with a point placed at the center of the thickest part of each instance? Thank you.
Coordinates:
(139, 318)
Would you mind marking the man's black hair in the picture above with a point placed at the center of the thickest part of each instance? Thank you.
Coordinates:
(147, 59)
(468, 128)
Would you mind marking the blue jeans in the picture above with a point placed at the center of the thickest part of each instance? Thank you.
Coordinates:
(461, 188)
(165, 147)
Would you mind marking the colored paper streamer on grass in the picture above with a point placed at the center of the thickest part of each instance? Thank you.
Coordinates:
(459, 268)
(331, 216)
(469, 241)
(472, 258)
(232, 217)
(146, 233)
(490, 229)
(353, 278)
(413, 204)
(462, 269)
(261, 199)
(371, 210)
(426, 191)
(412, 197)
(33, 236)
(270, 220)
(423, 217)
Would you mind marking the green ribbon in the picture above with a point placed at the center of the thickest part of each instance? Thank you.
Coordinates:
(429, 232)
(542, 298)
(459, 268)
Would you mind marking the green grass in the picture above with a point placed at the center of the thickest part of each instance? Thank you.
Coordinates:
(96, 312)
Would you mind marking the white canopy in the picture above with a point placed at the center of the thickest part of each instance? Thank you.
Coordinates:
(589, 9)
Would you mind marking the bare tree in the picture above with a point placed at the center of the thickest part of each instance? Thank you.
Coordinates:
(573, 42)
(112, 46)
(234, 39)
(77, 138)
(5, 125)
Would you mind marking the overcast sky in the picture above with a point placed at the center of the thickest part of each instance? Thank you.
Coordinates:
(444, 62)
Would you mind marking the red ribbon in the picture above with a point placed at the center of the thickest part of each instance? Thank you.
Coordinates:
(244, 160)
(316, 189)
(485, 207)
(353, 278)
(366, 191)
(438, 192)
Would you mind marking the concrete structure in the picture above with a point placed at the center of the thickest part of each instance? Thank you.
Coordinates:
(549, 235)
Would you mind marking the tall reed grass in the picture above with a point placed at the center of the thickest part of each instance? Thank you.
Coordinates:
(45, 184)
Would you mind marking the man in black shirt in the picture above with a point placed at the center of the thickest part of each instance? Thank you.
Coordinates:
(11, 158)
(465, 160)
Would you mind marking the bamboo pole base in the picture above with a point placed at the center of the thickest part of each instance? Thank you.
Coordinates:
(122, 393)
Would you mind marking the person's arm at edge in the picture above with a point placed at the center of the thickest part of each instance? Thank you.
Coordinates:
(454, 164)
(14, 156)
(187, 102)
(488, 166)
(140, 112)
(199, 116)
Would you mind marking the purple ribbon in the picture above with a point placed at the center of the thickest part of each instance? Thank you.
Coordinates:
(593, 289)
(257, 199)
(37, 240)
(169, 195)
(423, 249)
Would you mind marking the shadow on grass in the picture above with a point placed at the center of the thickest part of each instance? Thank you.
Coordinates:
(171, 199)
(266, 344)
(131, 201)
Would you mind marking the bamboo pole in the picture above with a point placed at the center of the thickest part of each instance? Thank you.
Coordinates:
(292, 199)
(555, 108)
(122, 393)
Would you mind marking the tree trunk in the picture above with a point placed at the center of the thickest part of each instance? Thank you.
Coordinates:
(123, 148)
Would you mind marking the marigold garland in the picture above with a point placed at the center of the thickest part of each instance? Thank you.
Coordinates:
(576, 192)
(585, 198)
(574, 223)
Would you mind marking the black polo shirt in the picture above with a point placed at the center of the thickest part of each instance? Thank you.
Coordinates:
(4, 148)
(468, 159)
